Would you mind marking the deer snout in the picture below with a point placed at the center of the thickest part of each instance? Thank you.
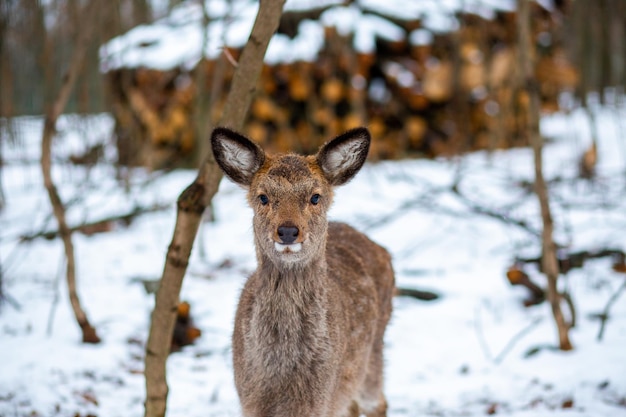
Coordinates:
(288, 233)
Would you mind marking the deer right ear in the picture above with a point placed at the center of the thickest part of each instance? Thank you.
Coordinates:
(238, 156)
(342, 157)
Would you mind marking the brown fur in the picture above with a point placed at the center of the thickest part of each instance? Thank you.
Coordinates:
(308, 337)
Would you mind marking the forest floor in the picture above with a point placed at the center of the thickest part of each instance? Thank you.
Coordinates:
(454, 226)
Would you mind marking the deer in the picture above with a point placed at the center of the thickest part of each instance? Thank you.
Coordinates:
(310, 322)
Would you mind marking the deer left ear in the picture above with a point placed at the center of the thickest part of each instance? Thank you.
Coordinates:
(238, 156)
(341, 158)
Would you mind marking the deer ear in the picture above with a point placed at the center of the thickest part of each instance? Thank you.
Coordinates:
(238, 156)
(341, 158)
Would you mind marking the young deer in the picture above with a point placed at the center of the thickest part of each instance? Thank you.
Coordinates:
(308, 337)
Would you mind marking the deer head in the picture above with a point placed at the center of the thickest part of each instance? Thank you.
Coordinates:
(290, 194)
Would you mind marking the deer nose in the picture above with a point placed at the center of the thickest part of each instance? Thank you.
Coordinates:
(288, 233)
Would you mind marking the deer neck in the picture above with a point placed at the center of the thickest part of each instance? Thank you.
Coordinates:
(290, 321)
(300, 290)
(293, 302)
(287, 277)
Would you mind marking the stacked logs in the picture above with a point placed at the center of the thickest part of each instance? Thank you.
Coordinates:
(457, 93)
(152, 111)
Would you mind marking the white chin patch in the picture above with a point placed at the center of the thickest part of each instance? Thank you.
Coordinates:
(295, 247)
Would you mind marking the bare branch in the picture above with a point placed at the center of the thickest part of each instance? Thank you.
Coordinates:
(414, 293)
(549, 257)
(516, 338)
(54, 111)
(428, 197)
(97, 224)
(497, 359)
(55, 299)
(230, 58)
(503, 217)
(604, 317)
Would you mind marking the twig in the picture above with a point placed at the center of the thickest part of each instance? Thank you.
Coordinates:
(381, 221)
(572, 309)
(3, 295)
(55, 298)
(497, 360)
(419, 294)
(480, 335)
(428, 197)
(126, 217)
(230, 57)
(516, 338)
(491, 213)
(9, 299)
(604, 317)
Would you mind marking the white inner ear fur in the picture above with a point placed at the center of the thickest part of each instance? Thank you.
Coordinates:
(343, 156)
(239, 157)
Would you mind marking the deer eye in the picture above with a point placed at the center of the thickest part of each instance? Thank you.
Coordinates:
(315, 198)
(264, 199)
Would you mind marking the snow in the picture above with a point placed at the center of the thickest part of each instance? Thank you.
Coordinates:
(177, 40)
(465, 354)
(304, 47)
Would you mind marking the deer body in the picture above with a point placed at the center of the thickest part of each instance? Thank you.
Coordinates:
(309, 326)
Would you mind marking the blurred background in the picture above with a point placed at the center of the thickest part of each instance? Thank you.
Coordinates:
(427, 77)
(106, 107)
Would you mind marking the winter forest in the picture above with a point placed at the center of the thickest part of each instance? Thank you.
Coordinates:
(495, 178)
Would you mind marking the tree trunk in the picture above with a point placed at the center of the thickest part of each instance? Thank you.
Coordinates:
(191, 204)
(549, 259)
(142, 12)
(53, 112)
(4, 124)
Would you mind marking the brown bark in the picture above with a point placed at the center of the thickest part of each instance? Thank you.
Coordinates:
(191, 205)
(549, 261)
(52, 114)
(4, 105)
(201, 114)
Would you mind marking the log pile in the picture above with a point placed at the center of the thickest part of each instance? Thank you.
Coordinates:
(152, 111)
(458, 92)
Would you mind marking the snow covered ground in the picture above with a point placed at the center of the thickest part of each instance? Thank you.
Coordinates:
(466, 354)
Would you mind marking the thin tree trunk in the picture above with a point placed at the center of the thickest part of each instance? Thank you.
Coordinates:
(205, 103)
(1, 282)
(201, 114)
(191, 205)
(52, 114)
(549, 260)
(623, 53)
(142, 12)
(606, 69)
(583, 26)
(2, 139)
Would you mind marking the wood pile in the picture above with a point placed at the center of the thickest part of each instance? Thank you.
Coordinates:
(152, 111)
(457, 93)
